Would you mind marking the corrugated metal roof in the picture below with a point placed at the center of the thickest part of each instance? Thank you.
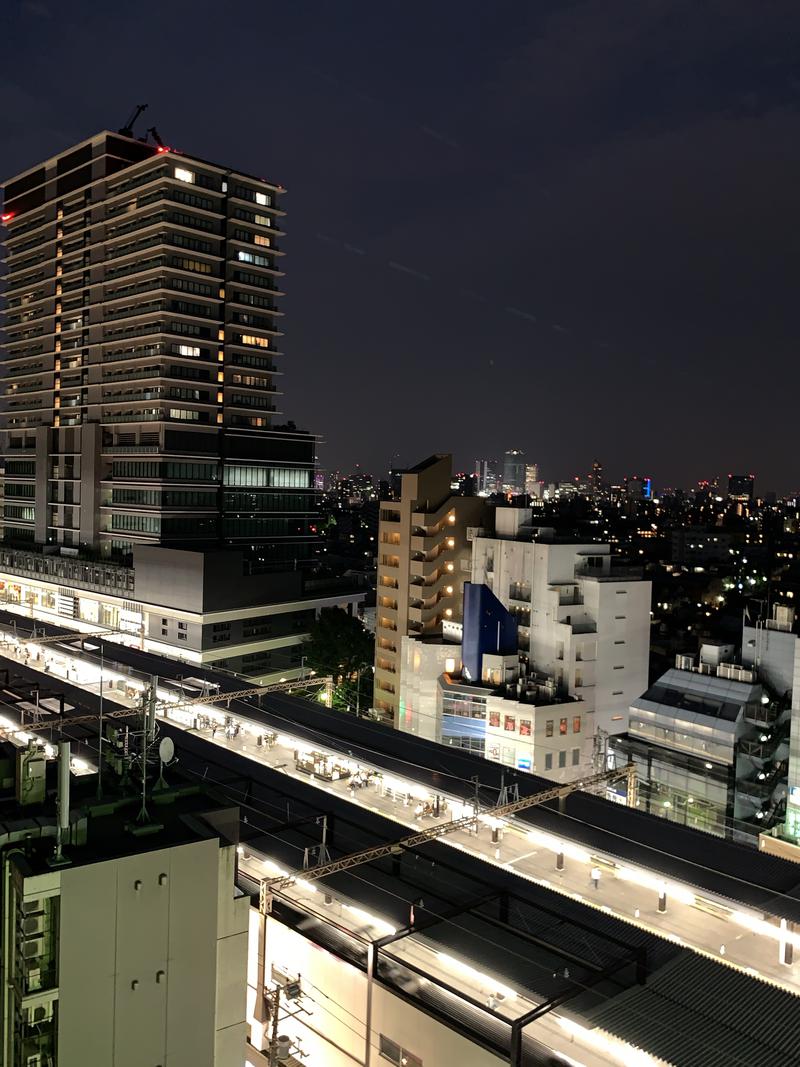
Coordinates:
(696, 1013)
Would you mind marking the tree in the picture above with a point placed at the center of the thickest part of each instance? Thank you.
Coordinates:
(340, 646)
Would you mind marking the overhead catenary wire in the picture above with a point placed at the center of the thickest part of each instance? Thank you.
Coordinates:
(776, 894)
(452, 922)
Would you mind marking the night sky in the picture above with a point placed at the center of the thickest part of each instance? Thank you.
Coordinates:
(570, 228)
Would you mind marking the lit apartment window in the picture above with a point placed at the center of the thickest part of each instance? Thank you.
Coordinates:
(184, 175)
(251, 339)
(262, 220)
(262, 199)
(187, 350)
(562, 726)
(260, 239)
(251, 257)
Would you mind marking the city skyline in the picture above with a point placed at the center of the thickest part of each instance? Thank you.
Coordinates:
(399, 593)
(666, 125)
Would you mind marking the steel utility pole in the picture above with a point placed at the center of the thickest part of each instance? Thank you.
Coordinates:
(273, 1041)
(100, 734)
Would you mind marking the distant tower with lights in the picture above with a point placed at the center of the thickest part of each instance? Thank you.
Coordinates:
(514, 471)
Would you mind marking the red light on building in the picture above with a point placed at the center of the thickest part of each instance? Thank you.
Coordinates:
(9, 215)
(163, 148)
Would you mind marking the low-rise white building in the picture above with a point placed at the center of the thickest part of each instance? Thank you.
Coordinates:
(525, 727)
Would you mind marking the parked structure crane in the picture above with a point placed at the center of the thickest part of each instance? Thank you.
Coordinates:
(127, 129)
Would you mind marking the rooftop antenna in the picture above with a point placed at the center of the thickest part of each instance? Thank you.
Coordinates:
(149, 714)
(166, 754)
(127, 129)
(59, 859)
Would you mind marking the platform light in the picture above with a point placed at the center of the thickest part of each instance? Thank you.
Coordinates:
(370, 920)
(479, 977)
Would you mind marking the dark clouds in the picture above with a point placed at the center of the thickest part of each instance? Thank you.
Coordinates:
(567, 227)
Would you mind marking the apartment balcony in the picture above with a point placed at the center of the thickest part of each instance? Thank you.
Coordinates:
(421, 591)
(143, 352)
(617, 572)
(422, 544)
(426, 568)
(752, 787)
(145, 308)
(431, 518)
(569, 599)
(761, 714)
(34, 387)
(758, 749)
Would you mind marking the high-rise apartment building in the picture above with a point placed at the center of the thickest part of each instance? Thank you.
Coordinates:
(140, 408)
(514, 471)
(142, 363)
(423, 561)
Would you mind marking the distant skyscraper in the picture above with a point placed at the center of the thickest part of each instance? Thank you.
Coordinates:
(532, 487)
(596, 479)
(638, 487)
(741, 486)
(514, 471)
(486, 476)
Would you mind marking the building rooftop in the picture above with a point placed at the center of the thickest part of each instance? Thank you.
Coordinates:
(708, 695)
(111, 828)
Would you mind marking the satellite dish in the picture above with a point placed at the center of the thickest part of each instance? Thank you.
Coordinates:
(166, 750)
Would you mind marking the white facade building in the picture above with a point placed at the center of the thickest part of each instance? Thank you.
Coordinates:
(423, 662)
(124, 960)
(583, 621)
(773, 650)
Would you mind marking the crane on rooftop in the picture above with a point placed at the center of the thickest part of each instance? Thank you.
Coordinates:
(127, 129)
(156, 137)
